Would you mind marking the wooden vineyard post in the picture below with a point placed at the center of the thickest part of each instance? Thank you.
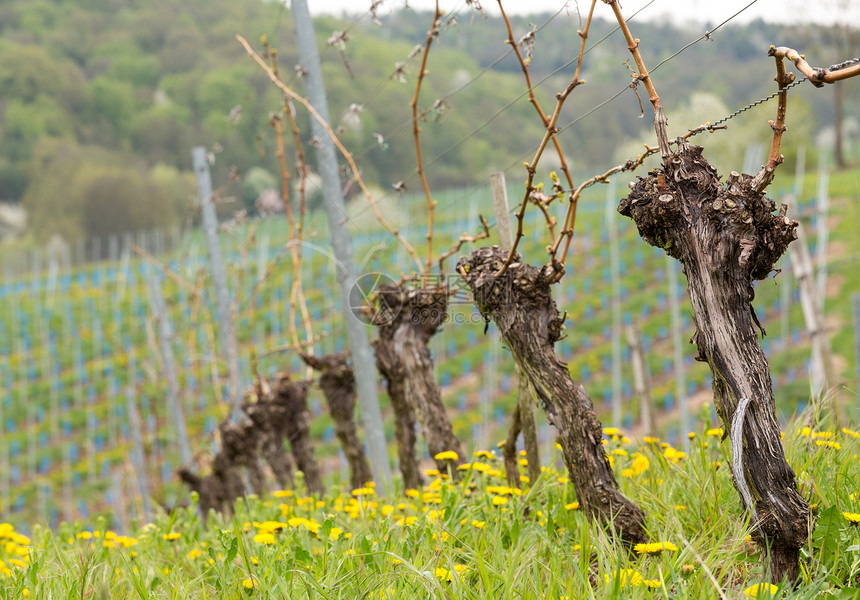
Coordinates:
(219, 274)
(856, 302)
(726, 236)
(524, 417)
(168, 363)
(641, 380)
(801, 264)
(333, 202)
(520, 303)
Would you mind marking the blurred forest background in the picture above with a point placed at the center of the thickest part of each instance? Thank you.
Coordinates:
(102, 101)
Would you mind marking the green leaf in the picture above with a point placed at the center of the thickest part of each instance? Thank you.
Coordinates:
(156, 581)
(848, 593)
(232, 550)
(325, 528)
(302, 555)
(825, 537)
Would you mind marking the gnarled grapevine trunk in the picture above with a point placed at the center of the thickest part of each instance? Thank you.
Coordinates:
(209, 491)
(268, 421)
(337, 381)
(404, 418)
(411, 318)
(520, 303)
(239, 448)
(289, 405)
(725, 237)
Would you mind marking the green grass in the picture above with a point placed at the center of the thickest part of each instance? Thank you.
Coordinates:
(470, 539)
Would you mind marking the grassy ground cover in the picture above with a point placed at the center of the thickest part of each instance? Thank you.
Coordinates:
(469, 537)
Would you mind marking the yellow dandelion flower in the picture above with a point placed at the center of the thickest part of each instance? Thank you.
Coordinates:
(640, 464)
(674, 455)
(478, 524)
(248, 584)
(853, 518)
(499, 500)
(85, 535)
(715, 432)
(172, 536)
(651, 440)
(446, 455)
(828, 444)
(655, 548)
(572, 506)
(850, 433)
(483, 454)
(195, 553)
(755, 590)
(629, 577)
(411, 493)
(363, 491)
(611, 431)
(264, 538)
(805, 432)
(283, 494)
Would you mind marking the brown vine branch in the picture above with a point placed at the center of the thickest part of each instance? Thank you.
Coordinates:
(416, 134)
(551, 130)
(465, 239)
(817, 76)
(629, 165)
(583, 34)
(344, 152)
(633, 45)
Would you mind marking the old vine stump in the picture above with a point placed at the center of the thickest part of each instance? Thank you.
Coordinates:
(726, 236)
(337, 381)
(269, 421)
(289, 403)
(210, 493)
(411, 316)
(520, 303)
(239, 447)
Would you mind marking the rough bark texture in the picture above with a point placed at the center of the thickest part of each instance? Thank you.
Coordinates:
(404, 418)
(725, 237)
(413, 316)
(337, 381)
(520, 303)
(289, 401)
(239, 449)
(209, 491)
(270, 431)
